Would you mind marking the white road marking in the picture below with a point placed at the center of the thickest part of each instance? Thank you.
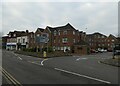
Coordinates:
(33, 62)
(81, 59)
(17, 56)
(20, 58)
(43, 61)
(76, 56)
(83, 76)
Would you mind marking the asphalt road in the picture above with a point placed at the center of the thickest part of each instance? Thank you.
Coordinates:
(59, 70)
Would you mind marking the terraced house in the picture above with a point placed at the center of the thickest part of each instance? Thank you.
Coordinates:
(26, 40)
(12, 39)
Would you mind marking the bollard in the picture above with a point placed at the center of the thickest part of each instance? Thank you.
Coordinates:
(44, 54)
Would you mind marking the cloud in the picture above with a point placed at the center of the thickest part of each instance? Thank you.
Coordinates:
(95, 16)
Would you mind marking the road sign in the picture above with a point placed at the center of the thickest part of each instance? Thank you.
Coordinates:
(44, 38)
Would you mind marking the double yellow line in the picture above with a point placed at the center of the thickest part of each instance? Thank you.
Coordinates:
(10, 77)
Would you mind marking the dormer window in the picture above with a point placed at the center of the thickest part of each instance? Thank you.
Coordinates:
(9, 35)
(38, 35)
(14, 35)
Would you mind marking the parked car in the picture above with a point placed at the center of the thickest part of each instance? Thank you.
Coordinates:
(116, 50)
(94, 51)
(102, 50)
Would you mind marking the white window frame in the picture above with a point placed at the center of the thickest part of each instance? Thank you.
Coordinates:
(55, 32)
(73, 32)
(74, 40)
(64, 40)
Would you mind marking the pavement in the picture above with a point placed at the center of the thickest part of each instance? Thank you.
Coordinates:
(62, 70)
(113, 62)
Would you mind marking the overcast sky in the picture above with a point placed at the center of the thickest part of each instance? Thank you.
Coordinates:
(95, 16)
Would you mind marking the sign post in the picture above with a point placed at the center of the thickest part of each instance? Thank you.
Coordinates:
(44, 38)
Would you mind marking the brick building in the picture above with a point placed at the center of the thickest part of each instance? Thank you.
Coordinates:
(81, 48)
(96, 40)
(110, 41)
(19, 39)
(26, 40)
(61, 38)
(12, 39)
(100, 41)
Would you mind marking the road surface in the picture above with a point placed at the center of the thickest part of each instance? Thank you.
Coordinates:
(60, 70)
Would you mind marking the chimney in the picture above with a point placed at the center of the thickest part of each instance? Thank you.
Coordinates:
(27, 31)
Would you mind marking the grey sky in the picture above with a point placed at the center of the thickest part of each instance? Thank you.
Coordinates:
(95, 16)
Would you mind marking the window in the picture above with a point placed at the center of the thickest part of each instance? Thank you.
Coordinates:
(73, 40)
(18, 40)
(89, 39)
(9, 35)
(55, 33)
(54, 40)
(58, 48)
(95, 36)
(38, 35)
(98, 36)
(61, 48)
(14, 35)
(78, 34)
(59, 32)
(65, 32)
(31, 36)
(73, 32)
(65, 40)
(23, 40)
(113, 40)
(103, 37)
(59, 41)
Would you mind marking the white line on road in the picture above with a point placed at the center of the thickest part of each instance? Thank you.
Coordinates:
(19, 58)
(34, 62)
(81, 59)
(83, 76)
(43, 61)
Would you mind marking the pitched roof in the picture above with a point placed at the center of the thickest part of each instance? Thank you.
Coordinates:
(41, 29)
(67, 26)
(112, 36)
(96, 33)
(18, 33)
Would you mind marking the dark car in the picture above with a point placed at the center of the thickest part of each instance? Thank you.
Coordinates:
(116, 50)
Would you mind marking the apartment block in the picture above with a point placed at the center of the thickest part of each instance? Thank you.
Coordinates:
(110, 41)
(61, 38)
(100, 41)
